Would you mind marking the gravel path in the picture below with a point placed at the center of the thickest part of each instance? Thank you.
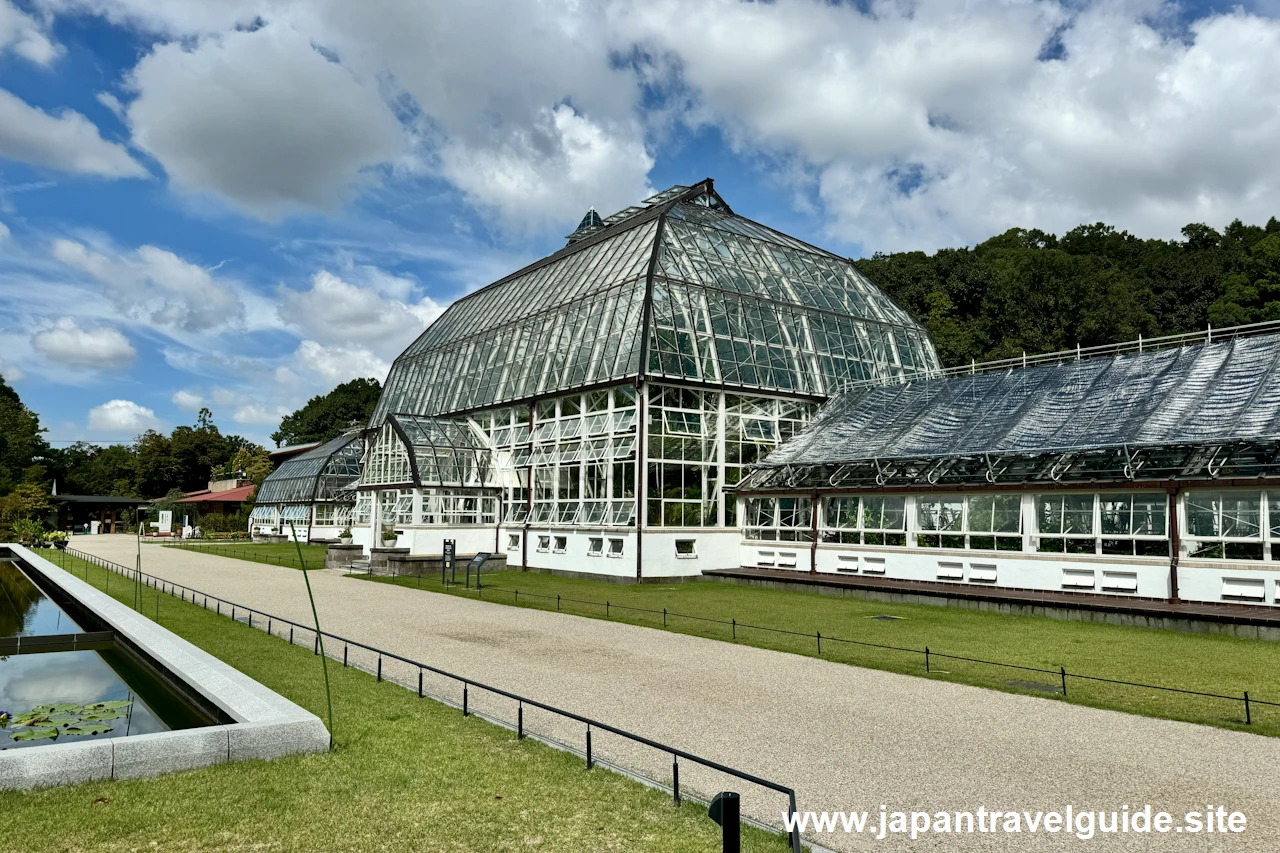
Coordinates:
(845, 738)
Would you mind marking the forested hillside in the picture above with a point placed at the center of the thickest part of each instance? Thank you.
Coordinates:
(1035, 292)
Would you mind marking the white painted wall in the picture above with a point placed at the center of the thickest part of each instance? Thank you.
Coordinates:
(1208, 581)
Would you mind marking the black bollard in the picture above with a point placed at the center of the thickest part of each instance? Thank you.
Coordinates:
(725, 810)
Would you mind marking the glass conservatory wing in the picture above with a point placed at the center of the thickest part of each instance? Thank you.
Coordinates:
(341, 472)
(302, 478)
(296, 513)
(1204, 410)
(444, 452)
(263, 514)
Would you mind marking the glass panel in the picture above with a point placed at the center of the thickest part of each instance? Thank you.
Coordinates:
(1202, 514)
(940, 513)
(1241, 515)
(1149, 515)
(1116, 512)
(1077, 514)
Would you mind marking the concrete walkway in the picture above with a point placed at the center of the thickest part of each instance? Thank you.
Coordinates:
(845, 738)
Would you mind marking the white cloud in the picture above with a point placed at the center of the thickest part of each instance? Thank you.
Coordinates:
(67, 141)
(4, 232)
(930, 123)
(97, 348)
(157, 286)
(10, 372)
(334, 311)
(25, 35)
(523, 106)
(255, 414)
(337, 364)
(122, 417)
(260, 118)
(543, 175)
(188, 401)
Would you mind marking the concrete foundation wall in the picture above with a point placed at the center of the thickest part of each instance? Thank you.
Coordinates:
(1142, 577)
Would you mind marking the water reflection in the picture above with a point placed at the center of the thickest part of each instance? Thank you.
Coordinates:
(74, 678)
(25, 611)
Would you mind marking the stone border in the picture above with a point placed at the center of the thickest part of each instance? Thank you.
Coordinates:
(267, 725)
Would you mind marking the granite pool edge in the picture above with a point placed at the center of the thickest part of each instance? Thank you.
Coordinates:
(266, 725)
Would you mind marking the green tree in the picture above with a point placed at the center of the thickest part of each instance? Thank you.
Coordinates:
(22, 442)
(1028, 291)
(254, 462)
(1251, 293)
(27, 501)
(326, 417)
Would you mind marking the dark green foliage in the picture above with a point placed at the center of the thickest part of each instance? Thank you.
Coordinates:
(152, 466)
(324, 418)
(1029, 291)
(22, 445)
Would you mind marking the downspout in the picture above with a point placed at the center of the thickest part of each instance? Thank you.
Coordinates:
(813, 528)
(1175, 544)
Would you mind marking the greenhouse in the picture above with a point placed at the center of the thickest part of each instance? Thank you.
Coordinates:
(616, 388)
(1148, 473)
(312, 491)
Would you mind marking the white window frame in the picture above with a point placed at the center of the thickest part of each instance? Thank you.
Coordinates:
(1268, 535)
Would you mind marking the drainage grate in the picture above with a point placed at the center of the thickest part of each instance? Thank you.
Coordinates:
(886, 618)
(1036, 685)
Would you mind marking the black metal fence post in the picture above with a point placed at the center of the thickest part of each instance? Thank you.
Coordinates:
(465, 712)
(1248, 718)
(735, 629)
(419, 682)
(818, 634)
(379, 669)
(520, 722)
(588, 747)
(1063, 671)
(795, 831)
(926, 659)
(675, 777)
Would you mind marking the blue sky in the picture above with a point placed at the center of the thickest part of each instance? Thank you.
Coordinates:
(239, 204)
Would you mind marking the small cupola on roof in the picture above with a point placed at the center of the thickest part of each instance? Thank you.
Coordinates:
(676, 288)
(590, 224)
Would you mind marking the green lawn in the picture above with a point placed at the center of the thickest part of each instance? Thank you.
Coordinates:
(406, 774)
(273, 553)
(1201, 662)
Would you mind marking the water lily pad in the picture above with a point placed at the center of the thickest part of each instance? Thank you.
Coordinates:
(64, 708)
(86, 730)
(98, 716)
(115, 703)
(35, 734)
(31, 719)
